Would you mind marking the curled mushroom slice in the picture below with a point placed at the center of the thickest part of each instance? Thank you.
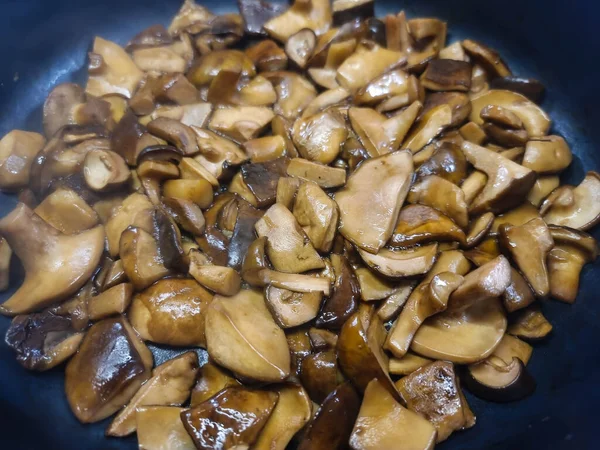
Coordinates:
(56, 265)
(114, 300)
(384, 423)
(547, 155)
(67, 212)
(300, 46)
(543, 186)
(42, 341)
(487, 57)
(529, 245)
(529, 324)
(170, 385)
(105, 170)
(171, 312)
(320, 137)
(325, 176)
(447, 161)
(442, 195)
(572, 250)
(370, 202)
(430, 299)
(582, 211)
(217, 154)
(497, 381)
(401, 263)
(418, 224)
(17, 152)
(317, 214)
(508, 182)
(110, 366)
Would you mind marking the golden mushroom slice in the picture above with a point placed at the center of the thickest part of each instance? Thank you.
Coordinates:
(407, 364)
(110, 366)
(517, 216)
(508, 183)
(170, 385)
(391, 306)
(217, 154)
(447, 161)
(105, 170)
(137, 211)
(447, 75)
(56, 265)
(429, 299)
(479, 229)
(443, 195)
(266, 148)
(428, 127)
(142, 262)
(5, 257)
(487, 57)
(529, 245)
(210, 65)
(462, 337)
(535, 120)
(211, 380)
(67, 212)
(384, 423)
(325, 176)
(319, 374)
(581, 211)
(239, 430)
(171, 312)
(317, 214)
(518, 294)
(294, 93)
(17, 152)
(401, 263)
(160, 428)
(291, 309)
(242, 337)
(372, 286)
(316, 16)
(547, 155)
(543, 186)
(240, 123)
(114, 300)
(391, 84)
(572, 250)
(320, 137)
(529, 324)
(333, 97)
(221, 280)
(370, 202)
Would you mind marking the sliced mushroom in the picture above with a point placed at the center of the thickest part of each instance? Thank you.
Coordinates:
(159, 59)
(241, 123)
(488, 57)
(529, 87)
(198, 191)
(419, 224)
(325, 176)
(529, 245)
(291, 309)
(384, 423)
(67, 212)
(189, 15)
(428, 127)
(217, 153)
(442, 195)
(472, 132)
(5, 257)
(105, 170)
(372, 286)
(401, 263)
(319, 375)
(508, 182)
(547, 155)
(300, 46)
(221, 280)
(211, 380)
(114, 300)
(320, 137)
(294, 93)
(447, 75)
(170, 385)
(110, 366)
(300, 347)
(324, 78)
(142, 262)
(497, 381)
(447, 161)
(407, 364)
(391, 306)
(267, 56)
(17, 152)
(315, 16)
(479, 229)
(543, 186)
(130, 138)
(391, 84)
(206, 68)
(517, 216)
(160, 428)
(171, 312)
(56, 265)
(581, 211)
(264, 149)
(518, 294)
(530, 324)
(59, 107)
(262, 178)
(137, 211)
(433, 392)
(187, 214)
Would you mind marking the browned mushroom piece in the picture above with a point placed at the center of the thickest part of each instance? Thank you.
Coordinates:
(67, 212)
(5, 257)
(261, 180)
(428, 127)
(529, 245)
(572, 250)
(161, 427)
(110, 366)
(320, 137)
(142, 262)
(316, 16)
(473, 132)
(161, 59)
(543, 186)
(187, 214)
(112, 301)
(325, 176)
(407, 364)
(529, 324)
(517, 216)
(170, 385)
(294, 93)
(433, 392)
(218, 279)
(440, 194)
(319, 375)
(175, 132)
(291, 309)
(130, 138)
(518, 294)
(547, 155)
(59, 106)
(217, 154)
(394, 83)
(529, 87)
(17, 152)
(391, 306)
(508, 183)
(384, 423)
(373, 286)
(420, 224)
(264, 149)
(240, 123)
(211, 380)
(300, 347)
(190, 15)
(487, 57)
(105, 170)
(447, 75)
(206, 68)
(153, 36)
(401, 263)
(300, 46)
(317, 214)
(447, 161)
(479, 229)
(267, 56)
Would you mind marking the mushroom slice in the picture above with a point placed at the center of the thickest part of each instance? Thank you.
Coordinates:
(294, 93)
(332, 97)
(325, 176)
(372, 286)
(130, 138)
(42, 341)
(472, 132)
(383, 423)
(320, 137)
(508, 182)
(211, 380)
(292, 412)
(447, 161)
(300, 347)
(446, 197)
(447, 75)
(379, 134)
(319, 374)
(117, 74)
(110, 366)
(264, 149)
(240, 123)
(419, 224)
(262, 178)
(324, 78)
(367, 64)
(171, 312)
(317, 214)
(535, 120)
(547, 155)
(518, 294)
(390, 84)
(56, 265)
(67, 212)
(187, 214)
(198, 191)
(288, 248)
(487, 57)
(529, 324)
(257, 12)
(429, 126)
(170, 385)
(208, 67)
(433, 392)
(462, 337)
(175, 132)
(407, 364)
(391, 306)
(291, 309)
(142, 262)
(370, 202)
(473, 185)
(518, 216)
(401, 263)
(137, 211)
(217, 153)
(529, 87)
(59, 107)
(221, 280)
(160, 428)
(159, 59)
(153, 36)
(497, 381)
(189, 15)
(529, 245)
(573, 249)
(316, 16)
(543, 186)
(300, 46)
(430, 299)
(332, 424)
(243, 234)
(242, 337)
(348, 10)
(17, 152)
(479, 229)
(105, 170)
(114, 300)
(240, 430)
(582, 212)
(5, 257)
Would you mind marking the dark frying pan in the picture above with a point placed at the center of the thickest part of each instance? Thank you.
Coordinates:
(45, 43)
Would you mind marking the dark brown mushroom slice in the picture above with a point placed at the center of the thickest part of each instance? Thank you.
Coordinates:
(168, 237)
(258, 12)
(18, 150)
(291, 309)
(505, 137)
(267, 56)
(300, 347)
(252, 407)
(5, 257)
(529, 324)
(332, 424)
(110, 366)
(447, 161)
(319, 375)
(153, 36)
(499, 382)
(175, 132)
(447, 75)
(479, 229)
(349, 10)
(487, 57)
(262, 178)
(166, 153)
(243, 234)
(128, 136)
(211, 380)
(529, 87)
(419, 224)
(300, 46)
(443, 195)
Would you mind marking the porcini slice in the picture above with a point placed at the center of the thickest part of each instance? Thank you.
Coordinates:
(401, 263)
(142, 262)
(316, 16)
(291, 309)
(430, 125)
(317, 214)
(407, 364)
(447, 75)
(160, 428)
(497, 381)
(67, 212)
(529, 324)
(365, 65)
(370, 202)
(325, 176)
(136, 210)
(320, 137)
(547, 155)
(17, 152)
(441, 194)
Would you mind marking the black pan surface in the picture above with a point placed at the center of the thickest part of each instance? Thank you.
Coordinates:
(43, 43)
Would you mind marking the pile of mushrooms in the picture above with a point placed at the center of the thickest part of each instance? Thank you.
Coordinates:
(352, 216)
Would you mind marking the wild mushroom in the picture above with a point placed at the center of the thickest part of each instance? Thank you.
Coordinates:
(175, 132)
(529, 245)
(479, 229)
(333, 97)
(391, 306)
(581, 211)
(59, 107)
(447, 75)
(110, 366)
(315, 16)
(198, 191)
(547, 155)
(543, 186)
(171, 312)
(518, 294)
(263, 149)
(221, 280)
(320, 137)
(159, 59)
(447, 161)
(17, 152)
(438, 193)
(372, 286)
(433, 391)
(294, 93)
(368, 215)
(401, 263)
(217, 153)
(508, 182)
(56, 265)
(428, 127)
(530, 324)
(420, 224)
(153, 36)
(130, 138)
(262, 178)
(319, 374)
(67, 212)
(142, 263)
(384, 423)
(300, 46)
(252, 410)
(105, 170)
(114, 300)
(240, 123)
(161, 427)
(517, 217)
(317, 214)
(189, 15)
(325, 176)
(390, 84)
(5, 257)
(206, 68)
(529, 87)
(290, 308)
(488, 57)
(407, 364)
(187, 214)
